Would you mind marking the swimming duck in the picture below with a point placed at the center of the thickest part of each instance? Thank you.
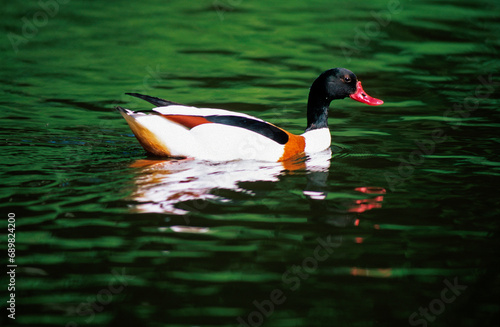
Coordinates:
(175, 130)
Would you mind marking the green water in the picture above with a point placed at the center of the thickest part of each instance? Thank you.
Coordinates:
(104, 241)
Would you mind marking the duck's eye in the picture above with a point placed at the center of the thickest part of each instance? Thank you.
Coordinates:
(347, 79)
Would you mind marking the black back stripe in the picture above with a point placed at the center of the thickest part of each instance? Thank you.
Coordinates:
(274, 133)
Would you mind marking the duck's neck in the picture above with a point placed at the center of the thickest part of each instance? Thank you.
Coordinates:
(317, 109)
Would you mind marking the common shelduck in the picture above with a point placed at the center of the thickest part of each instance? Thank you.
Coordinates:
(175, 130)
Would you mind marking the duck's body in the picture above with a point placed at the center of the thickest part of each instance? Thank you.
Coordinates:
(174, 130)
(218, 135)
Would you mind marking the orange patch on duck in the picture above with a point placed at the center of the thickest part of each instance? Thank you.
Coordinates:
(146, 138)
(295, 146)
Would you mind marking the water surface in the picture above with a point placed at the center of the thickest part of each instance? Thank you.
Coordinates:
(403, 211)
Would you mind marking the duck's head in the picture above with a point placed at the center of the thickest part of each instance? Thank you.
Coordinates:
(341, 83)
(336, 83)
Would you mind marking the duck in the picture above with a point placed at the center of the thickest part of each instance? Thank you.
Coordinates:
(180, 131)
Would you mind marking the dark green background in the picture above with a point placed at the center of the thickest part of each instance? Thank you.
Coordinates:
(66, 163)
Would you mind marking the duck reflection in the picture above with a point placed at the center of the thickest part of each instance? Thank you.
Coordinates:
(344, 211)
(164, 186)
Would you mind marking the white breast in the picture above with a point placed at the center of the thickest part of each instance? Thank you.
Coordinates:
(317, 140)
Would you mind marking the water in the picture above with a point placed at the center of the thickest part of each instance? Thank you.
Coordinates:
(400, 226)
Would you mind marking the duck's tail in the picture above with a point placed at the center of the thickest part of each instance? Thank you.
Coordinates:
(143, 126)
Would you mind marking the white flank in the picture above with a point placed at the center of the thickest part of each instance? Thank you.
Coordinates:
(223, 143)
